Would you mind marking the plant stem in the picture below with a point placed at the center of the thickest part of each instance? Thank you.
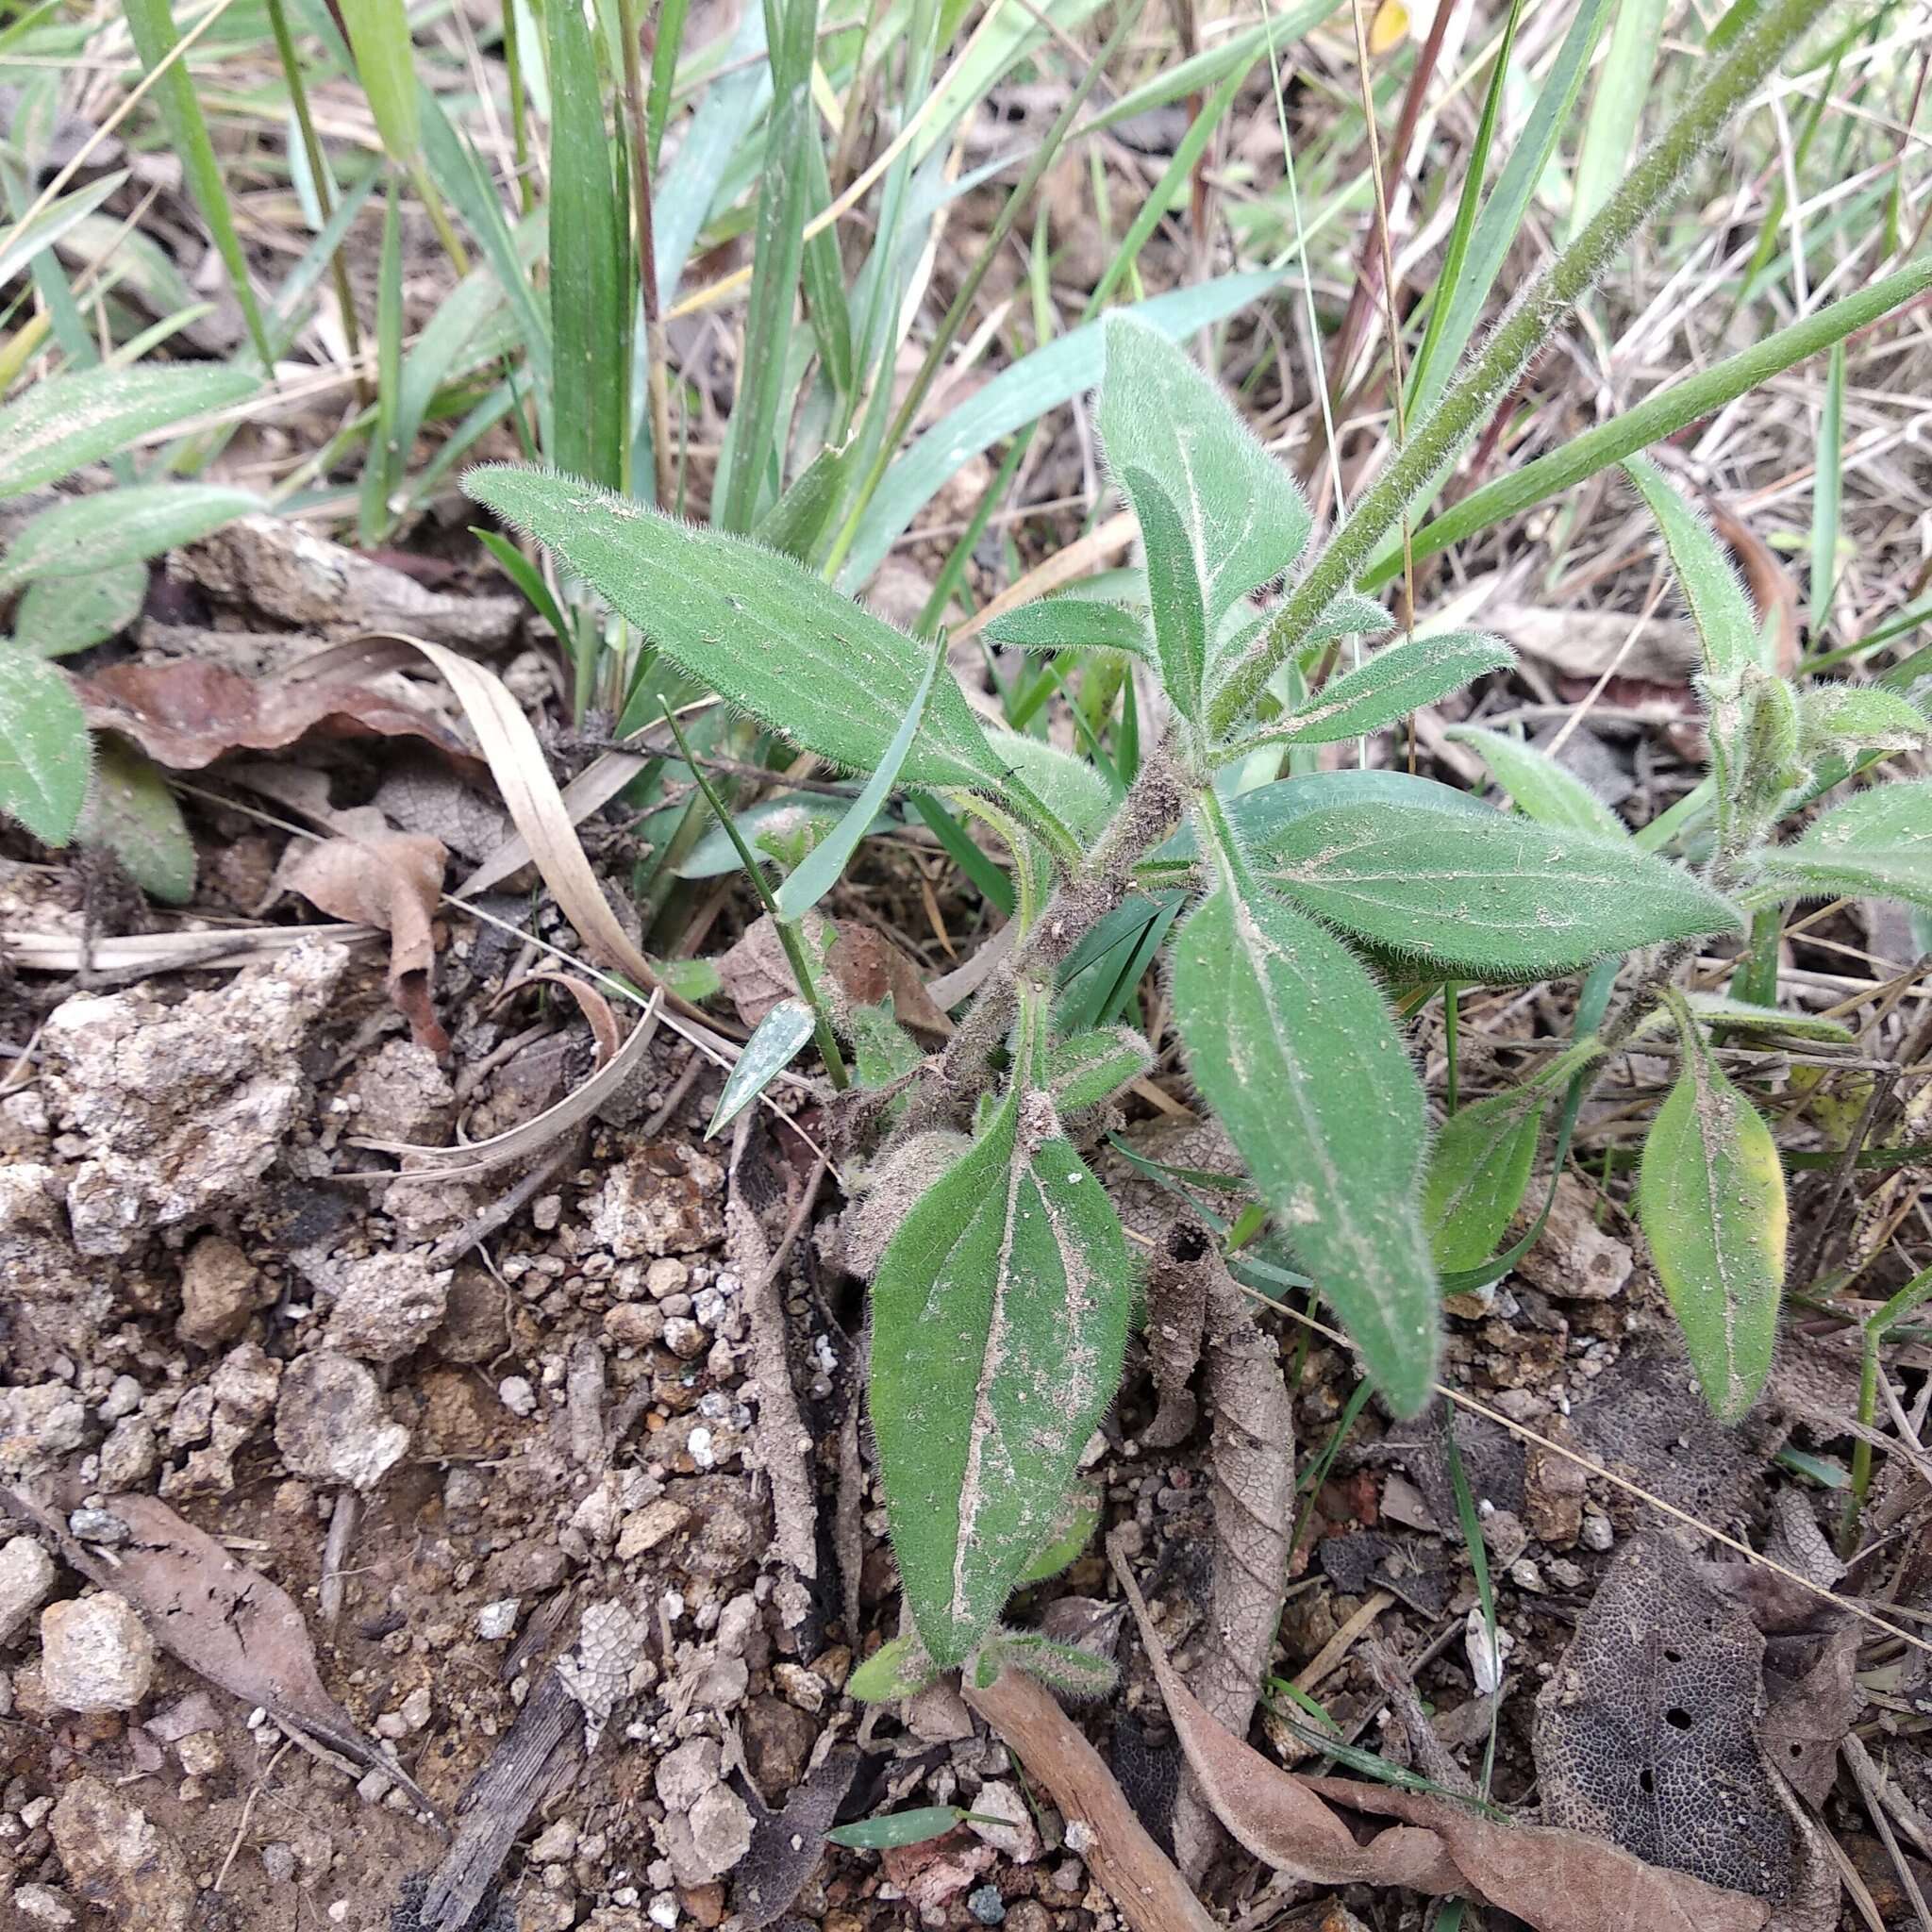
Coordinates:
(1469, 402)
(655, 348)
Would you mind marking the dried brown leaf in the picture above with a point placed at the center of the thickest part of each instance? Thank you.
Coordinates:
(785, 1845)
(188, 713)
(376, 877)
(1553, 1879)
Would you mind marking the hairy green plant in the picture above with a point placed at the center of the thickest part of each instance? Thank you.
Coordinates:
(1286, 903)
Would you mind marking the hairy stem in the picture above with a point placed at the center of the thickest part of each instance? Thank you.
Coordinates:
(1469, 402)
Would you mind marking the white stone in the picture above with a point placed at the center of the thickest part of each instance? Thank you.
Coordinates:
(26, 1575)
(95, 1654)
(494, 1621)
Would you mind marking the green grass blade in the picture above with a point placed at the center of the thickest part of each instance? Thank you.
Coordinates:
(152, 25)
(386, 65)
(23, 243)
(587, 255)
(383, 469)
(1616, 108)
(1827, 494)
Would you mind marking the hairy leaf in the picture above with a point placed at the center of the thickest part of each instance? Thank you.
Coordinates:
(1070, 788)
(1490, 897)
(1244, 519)
(43, 748)
(1480, 1171)
(1069, 1668)
(58, 616)
(1710, 1197)
(1720, 606)
(1088, 1068)
(88, 534)
(763, 633)
(1350, 614)
(1876, 843)
(1293, 1046)
(1541, 788)
(785, 829)
(1074, 624)
(999, 1322)
(131, 811)
(87, 414)
(896, 1669)
(1844, 718)
(1397, 680)
(1722, 1014)
(1173, 591)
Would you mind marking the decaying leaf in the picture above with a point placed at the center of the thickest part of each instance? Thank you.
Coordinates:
(786, 1844)
(1554, 1879)
(375, 876)
(188, 713)
(223, 1618)
(1646, 1733)
(865, 968)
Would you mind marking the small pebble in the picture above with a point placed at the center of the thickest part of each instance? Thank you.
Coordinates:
(98, 1526)
(987, 1906)
(95, 1654)
(494, 1621)
(516, 1395)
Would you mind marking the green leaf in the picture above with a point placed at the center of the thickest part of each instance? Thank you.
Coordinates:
(1173, 590)
(588, 289)
(902, 1827)
(797, 521)
(786, 828)
(999, 1322)
(1480, 1171)
(1720, 606)
(1493, 897)
(87, 414)
(760, 631)
(385, 63)
(131, 811)
(1074, 624)
(1539, 786)
(1293, 1048)
(89, 534)
(1350, 614)
(20, 247)
(882, 1050)
(1068, 786)
(828, 858)
(529, 579)
(1069, 1668)
(1615, 111)
(1710, 1197)
(1079, 1519)
(777, 1041)
(58, 616)
(1244, 518)
(1876, 845)
(1720, 1013)
(43, 748)
(896, 1669)
(1397, 680)
(1088, 1068)
(1846, 718)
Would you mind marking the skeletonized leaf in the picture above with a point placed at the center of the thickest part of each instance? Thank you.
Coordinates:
(999, 1322)
(80, 417)
(88, 534)
(1877, 844)
(43, 748)
(1087, 1068)
(1173, 591)
(777, 1041)
(1480, 1171)
(1720, 606)
(58, 616)
(1710, 1197)
(760, 630)
(1074, 624)
(1485, 897)
(1293, 1046)
(1397, 680)
(1244, 519)
(1541, 788)
(131, 811)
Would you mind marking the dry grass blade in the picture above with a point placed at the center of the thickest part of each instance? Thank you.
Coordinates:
(133, 954)
(591, 1003)
(532, 1136)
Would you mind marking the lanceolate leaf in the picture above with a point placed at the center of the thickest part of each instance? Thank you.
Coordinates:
(88, 534)
(760, 630)
(1844, 718)
(1088, 1068)
(1485, 897)
(131, 811)
(999, 1320)
(1397, 680)
(1540, 786)
(1173, 591)
(1291, 1044)
(1243, 517)
(1480, 1171)
(1350, 614)
(1074, 624)
(1711, 1199)
(777, 1039)
(58, 616)
(44, 747)
(1876, 843)
(1719, 606)
(79, 418)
